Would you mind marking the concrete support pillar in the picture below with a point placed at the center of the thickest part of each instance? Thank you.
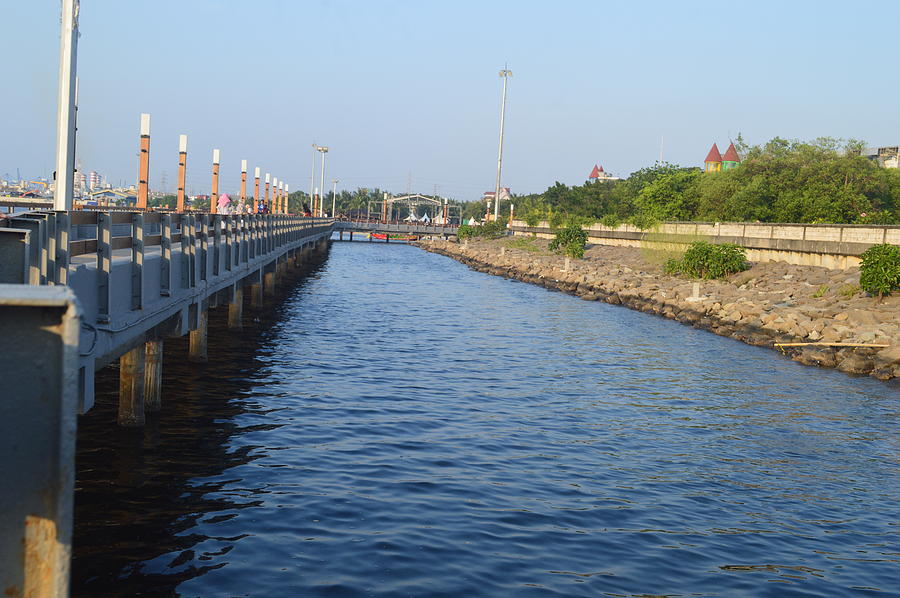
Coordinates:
(351, 235)
(256, 295)
(198, 338)
(269, 283)
(236, 309)
(153, 367)
(341, 235)
(131, 388)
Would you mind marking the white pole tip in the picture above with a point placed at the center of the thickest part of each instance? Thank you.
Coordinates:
(145, 124)
(215, 156)
(182, 143)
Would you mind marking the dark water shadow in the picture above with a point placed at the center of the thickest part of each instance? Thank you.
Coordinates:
(135, 493)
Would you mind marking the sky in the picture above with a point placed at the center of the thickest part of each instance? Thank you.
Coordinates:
(406, 93)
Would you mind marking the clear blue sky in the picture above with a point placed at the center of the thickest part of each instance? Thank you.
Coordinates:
(412, 86)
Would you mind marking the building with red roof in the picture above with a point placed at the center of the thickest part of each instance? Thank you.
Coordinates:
(713, 161)
(598, 174)
(731, 158)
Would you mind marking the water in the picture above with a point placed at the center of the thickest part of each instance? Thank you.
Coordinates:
(402, 426)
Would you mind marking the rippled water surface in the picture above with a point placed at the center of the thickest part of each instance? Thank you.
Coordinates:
(400, 425)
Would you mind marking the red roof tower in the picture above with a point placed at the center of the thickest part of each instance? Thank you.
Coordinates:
(595, 174)
(713, 155)
(713, 159)
(731, 155)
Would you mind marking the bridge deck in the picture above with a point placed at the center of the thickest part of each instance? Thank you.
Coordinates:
(140, 276)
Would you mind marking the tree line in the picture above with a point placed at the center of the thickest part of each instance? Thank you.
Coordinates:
(823, 181)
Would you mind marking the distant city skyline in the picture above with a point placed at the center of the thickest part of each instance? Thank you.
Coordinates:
(400, 87)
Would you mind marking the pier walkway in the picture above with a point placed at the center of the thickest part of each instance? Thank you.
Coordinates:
(81, 289)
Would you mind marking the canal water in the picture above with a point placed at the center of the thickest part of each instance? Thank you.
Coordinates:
(400, 425)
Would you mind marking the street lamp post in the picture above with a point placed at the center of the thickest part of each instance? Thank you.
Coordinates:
(323, 150)
(505, 74)
(63, 188)
(334, 183)
(312, 181)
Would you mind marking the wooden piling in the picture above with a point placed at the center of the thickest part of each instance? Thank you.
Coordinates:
(143, 190)
(131, 388)
(236, 309)
(198, 338)
(214, 195)
(182, 166)
(153, 367)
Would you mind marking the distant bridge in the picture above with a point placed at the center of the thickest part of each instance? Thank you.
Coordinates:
(414, 229)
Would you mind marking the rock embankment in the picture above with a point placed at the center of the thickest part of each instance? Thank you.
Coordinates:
(770, 303)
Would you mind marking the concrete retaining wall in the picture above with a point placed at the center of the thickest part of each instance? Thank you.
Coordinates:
(836, 246)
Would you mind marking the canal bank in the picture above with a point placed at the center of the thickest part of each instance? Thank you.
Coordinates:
(371, 436)
(772, 305)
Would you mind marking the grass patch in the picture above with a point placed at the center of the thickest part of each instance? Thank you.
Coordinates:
(523, 243)
(821, 291)
(848, 291)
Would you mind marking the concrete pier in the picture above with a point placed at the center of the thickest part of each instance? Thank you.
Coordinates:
(131, 388)
(153, 368)
(236, 309)
(199, 338)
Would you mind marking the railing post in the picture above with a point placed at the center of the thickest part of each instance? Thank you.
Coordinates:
(229, 248)
(137, 261)
(104, 264)
(165, 255)
(51, 248)
(217, 242)
(63, 224)
(204, 245)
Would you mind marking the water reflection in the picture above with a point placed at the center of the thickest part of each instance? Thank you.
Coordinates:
(139, 493)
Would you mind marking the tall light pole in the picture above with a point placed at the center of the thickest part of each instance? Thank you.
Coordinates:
(312, 181)
(63, 189)
(334, 183)
(505, 74)
(323, 150)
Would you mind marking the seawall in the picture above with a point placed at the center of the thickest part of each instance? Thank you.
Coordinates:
(769, 304)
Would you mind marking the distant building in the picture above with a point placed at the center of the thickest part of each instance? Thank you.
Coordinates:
(93, 180)
(887, 157)
(716, 162)
(112, 197)
(489, 195)
(598, 174)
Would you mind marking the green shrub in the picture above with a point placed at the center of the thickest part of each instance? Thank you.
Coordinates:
(610, 220)
(570, 241)
(488, 230)
(879, 272)
(705, 260)
(533, 218)
(465, 231)
(556, 219)
(643, 221)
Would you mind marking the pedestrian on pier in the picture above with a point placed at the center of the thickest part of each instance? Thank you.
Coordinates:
(224, 204)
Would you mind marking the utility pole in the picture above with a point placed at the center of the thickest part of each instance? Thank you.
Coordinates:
(505, 74)
(63, 191)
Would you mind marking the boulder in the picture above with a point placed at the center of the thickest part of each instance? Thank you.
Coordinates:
(856, 364)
